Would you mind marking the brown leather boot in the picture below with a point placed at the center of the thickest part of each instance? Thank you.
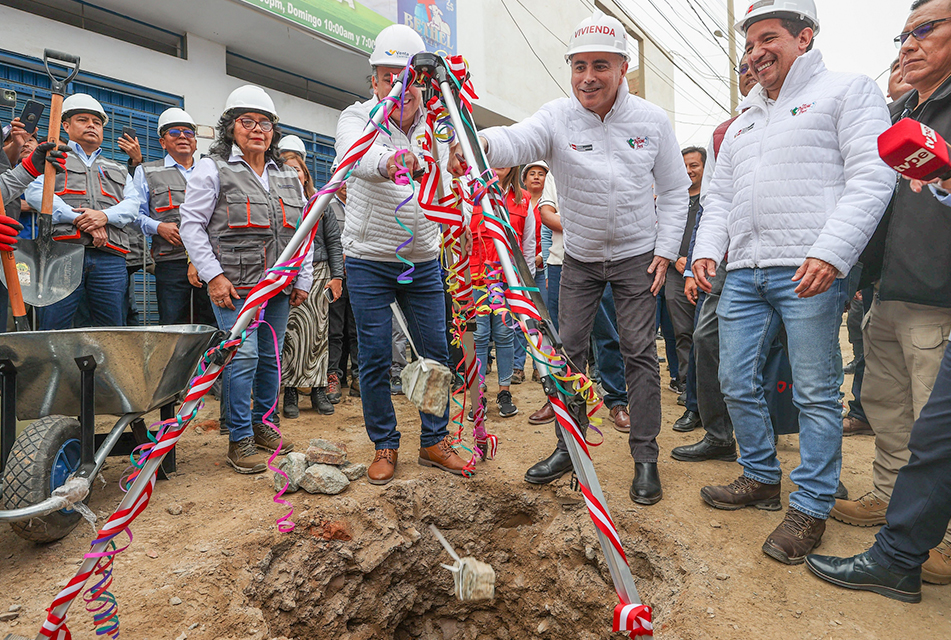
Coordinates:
(441, 456)
(383, 466)
(620, 418)
(867, 511)
(855, 427)
(543, 416)
(245, 457)
(795, 537)
(743, 492)
(937, 568)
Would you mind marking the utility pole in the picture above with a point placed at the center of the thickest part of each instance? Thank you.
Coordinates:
(734, 78)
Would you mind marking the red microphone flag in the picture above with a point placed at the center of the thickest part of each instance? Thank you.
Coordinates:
(915, 151)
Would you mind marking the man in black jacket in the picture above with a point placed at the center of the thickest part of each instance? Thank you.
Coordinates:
(907, 328)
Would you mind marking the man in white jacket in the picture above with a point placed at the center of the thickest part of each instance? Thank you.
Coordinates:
(610, 153)
(372, 239)
(797, 192)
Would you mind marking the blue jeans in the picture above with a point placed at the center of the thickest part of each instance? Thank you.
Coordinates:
(753, 304)
(373, 287)
(104, 285)
(608, 346)
(491, 327)
(173, 291)
(253, 370)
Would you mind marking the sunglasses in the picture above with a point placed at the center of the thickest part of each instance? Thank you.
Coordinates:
(178, 133)
(920, 32)
(250, 123)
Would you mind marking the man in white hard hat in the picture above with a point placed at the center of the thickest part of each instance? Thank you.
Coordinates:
(371, 237)
(94, 202)
(160, 186)
(797, 192)
(610, 152)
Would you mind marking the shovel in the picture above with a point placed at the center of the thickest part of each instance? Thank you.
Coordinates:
(47, 270)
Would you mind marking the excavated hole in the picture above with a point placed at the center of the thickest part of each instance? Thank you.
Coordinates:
(378, 576)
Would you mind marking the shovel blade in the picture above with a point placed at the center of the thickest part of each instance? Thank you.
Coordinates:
(48, 271)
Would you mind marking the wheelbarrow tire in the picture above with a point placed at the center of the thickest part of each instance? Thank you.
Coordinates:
(28, 477)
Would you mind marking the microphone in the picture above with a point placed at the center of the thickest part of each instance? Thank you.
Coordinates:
(915, 151)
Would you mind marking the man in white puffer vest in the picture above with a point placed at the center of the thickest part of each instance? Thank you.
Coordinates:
(797, 192)
(372, 239)
(610, 153)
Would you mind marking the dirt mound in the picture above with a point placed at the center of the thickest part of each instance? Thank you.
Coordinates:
(383, 578)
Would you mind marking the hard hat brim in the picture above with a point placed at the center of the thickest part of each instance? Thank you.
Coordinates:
(743, 25)
(92, 112)
(236, 111)
(594, 48)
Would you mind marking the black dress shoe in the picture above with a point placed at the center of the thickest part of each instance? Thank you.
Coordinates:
(705, 450)
(549, 469)
(841, 493)
(689, 421)
(646, 486)
(864, 574)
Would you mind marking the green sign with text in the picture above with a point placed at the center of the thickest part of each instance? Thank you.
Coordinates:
(345, 21)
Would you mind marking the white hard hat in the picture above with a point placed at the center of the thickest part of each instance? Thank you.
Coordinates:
(292, 143)
(537, 163)
(598, 33)
(83, 103)
(251, 98)
(174, 116)
(765, 9)
(395, 45)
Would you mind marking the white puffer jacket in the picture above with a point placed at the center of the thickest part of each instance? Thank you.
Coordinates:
(800, 178)
(607, 174)
(371, 231)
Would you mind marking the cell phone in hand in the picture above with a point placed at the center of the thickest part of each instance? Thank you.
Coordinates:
(8, 98)
(31, 114)
(329, 294)
(129, 131)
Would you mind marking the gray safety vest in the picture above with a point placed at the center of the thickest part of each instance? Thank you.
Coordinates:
(250, 226)
(97, 187)
(166, 194)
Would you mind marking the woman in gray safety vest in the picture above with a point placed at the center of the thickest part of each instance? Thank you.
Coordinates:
(241, 209)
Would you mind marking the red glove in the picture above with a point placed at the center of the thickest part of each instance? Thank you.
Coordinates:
(46, 153)
(9, 228)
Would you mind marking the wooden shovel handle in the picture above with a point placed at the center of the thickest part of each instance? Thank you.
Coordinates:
(49, 177)
(13, 287)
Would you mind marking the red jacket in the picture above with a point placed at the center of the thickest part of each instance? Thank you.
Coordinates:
(483, 249)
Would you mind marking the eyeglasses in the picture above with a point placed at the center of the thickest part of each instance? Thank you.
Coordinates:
(178, 133)
(743, 70)
(920, 32)
(250, 123)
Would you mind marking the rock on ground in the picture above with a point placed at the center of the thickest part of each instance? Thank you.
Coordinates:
(294, 465)
(323, 478)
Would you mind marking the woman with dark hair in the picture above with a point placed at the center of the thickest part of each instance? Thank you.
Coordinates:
(240, 211)
(305, 353)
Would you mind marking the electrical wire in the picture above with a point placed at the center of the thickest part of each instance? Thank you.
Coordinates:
(707, 31)
(535, 53)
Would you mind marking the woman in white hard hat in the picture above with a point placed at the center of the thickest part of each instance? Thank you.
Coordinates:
(241, 209)
(305, 353)
(371, 238)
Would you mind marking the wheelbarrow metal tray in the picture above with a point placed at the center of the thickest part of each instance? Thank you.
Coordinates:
(137, 368)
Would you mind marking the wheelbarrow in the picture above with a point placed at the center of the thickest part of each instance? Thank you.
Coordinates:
(46, 376)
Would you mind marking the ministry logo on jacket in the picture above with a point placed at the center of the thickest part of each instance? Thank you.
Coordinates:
(639, 143)
(583, 147)
(742, 131)
(801, 109)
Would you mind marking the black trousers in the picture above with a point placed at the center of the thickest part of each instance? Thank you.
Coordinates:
(341, 336)
(920, 507)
